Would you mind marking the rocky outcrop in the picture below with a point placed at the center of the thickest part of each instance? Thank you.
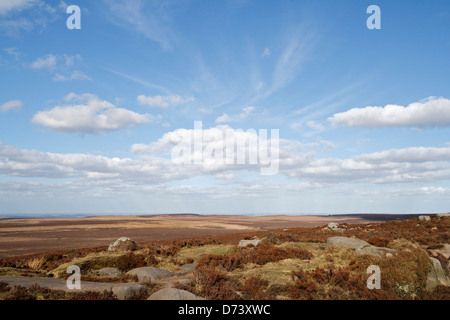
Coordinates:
(109, 273)
(436, 276)
(123, 244)
(174, 294)
(334, 226)
(377, 251)
(244, 243)
(188, 268)
(443, 215)
(345, 242)
(128, 290)
(149, 274)
(360, 246)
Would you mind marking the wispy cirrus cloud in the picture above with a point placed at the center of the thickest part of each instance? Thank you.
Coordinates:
(10, 105)
(163, 101)
(149, 18)
(18, 16)
(75, 75)
(8, 6)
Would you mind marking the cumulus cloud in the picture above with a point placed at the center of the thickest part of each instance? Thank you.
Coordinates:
(14, 104)
(218, 148)
(164, 101)
(429, 112)
(90, 115)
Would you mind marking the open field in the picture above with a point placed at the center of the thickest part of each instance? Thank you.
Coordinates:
(285, 262)
(25, 236)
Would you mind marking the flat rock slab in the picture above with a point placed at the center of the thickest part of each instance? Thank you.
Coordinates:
(436, 276)
(345, 242)
(244, 243)
(377, 251)
(174, 294)
(109, 273)
(123, 291)
(149, 274)
(190, 267)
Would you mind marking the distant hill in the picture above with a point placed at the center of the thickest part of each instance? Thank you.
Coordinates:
(380, 216)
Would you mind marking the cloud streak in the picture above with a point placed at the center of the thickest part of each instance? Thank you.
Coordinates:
(10, 105)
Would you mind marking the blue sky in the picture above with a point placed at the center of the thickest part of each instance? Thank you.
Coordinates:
(88, 117)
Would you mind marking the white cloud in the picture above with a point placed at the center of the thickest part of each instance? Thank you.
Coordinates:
(48, 62)
(18, 162)
(91, 115)
(75, 75)
(14, 104)
(164, 101)
(63, 64)
(249, 151)
(420, 164)
(425, 113)
(224, 118)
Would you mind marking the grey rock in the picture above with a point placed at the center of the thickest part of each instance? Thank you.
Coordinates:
(128, 290)
(345, 242)
(436, 275)
(244, 243)
(334, 226)
(109, 273)
(443, 215)
(444, 251)
(174, 294)
(190, 267)
(149, 274)
(377, 251)
(123, 244)
(424, 218)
